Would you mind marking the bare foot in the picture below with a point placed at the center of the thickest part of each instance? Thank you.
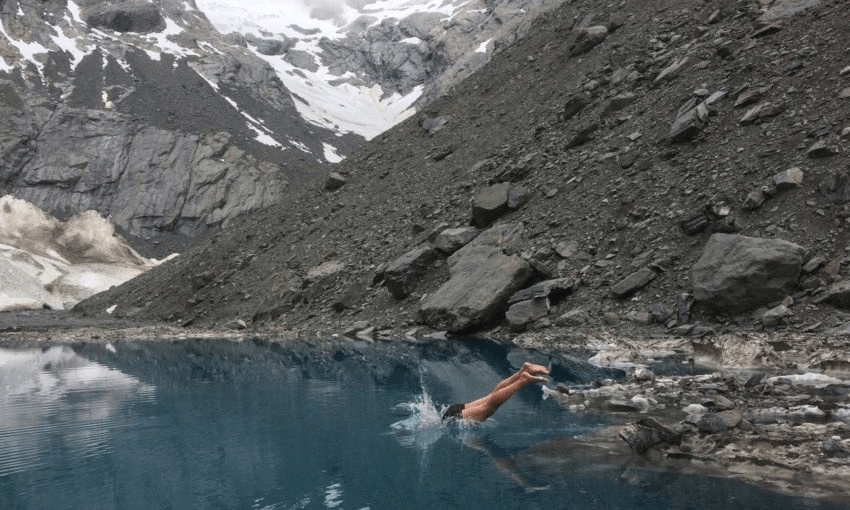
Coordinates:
(529, 378)
(534, 369)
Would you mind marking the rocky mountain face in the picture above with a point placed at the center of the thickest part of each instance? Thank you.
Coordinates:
(654, 168)
(146, 112)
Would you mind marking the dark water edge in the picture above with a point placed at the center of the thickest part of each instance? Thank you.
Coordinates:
(219, 424)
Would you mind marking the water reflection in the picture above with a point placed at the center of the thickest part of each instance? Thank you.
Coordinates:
(55, 399)
(203, 424)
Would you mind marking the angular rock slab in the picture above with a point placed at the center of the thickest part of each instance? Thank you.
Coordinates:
(477, 291)
(402, 275)
(633, 282)
(523, 313)
(837, 294)
(738, 273)
(453, 239)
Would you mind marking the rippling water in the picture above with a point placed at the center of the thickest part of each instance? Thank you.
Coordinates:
(252, 425)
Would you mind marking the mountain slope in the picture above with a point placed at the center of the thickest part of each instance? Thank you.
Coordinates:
(145, 111)
(606, 186)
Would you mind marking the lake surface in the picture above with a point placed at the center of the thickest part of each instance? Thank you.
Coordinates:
(218, 424)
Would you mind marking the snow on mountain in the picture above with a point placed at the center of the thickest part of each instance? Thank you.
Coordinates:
(366, 110)
(47, 262)
(176, 116)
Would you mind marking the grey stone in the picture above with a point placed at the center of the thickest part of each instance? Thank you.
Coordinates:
(754, 200)
(481, 281)
(646, 433)
(577, 317)
(837, 294)
(523, 313)
(451, 240)
(335, 181)
(556, 289)
(490, 204)
(128, 16)
(820, 149)
(284, 292)
(689, 121)
(672, 70)
(737, 272)
(567, 249)
(774, 316)
(517, 197)
(587, 38)
(402, 275)
(813, 264)
(504, 236)
(836, 187)
(617, 103)
(633, 282)
(791, 178)
(574, 104)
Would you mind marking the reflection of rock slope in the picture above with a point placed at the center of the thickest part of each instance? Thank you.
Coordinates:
(46, 262)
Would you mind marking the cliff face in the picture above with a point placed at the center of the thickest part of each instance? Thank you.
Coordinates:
(146, 112)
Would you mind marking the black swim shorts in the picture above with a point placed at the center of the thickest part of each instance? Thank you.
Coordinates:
(454, 411)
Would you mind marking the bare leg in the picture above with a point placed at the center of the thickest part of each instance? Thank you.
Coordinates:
(484, 407)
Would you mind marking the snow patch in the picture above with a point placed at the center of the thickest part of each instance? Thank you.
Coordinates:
(482, 48)
(330, 153)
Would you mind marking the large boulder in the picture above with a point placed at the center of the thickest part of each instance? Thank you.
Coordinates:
(477, 291)
(737, 272)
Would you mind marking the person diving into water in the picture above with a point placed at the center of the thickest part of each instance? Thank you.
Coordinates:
(484, 407)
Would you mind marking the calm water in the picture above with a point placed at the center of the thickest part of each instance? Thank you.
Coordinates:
(250, 425)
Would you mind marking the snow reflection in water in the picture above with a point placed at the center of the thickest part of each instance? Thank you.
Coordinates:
(205, 424)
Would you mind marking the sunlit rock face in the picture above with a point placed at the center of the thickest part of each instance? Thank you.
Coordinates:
(49, 263)
(174, 117)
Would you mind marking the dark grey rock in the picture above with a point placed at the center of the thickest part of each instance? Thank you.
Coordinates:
(754, 200)
(128, 16)
(813, 264)
(523, 313)
(775, 315)
(820, 149)
(633, 282)
(450, 240)
(402, 275)
(574, 104)
(836, 188)
(504, 236)
(555, 289)
(648, 432)
(683, 308)
(837, 294)
(617, 103)
(694, 224)
(284, 292)
(736, 272)
(517, 197)
(335, 181)
(791, 178)
(490, 204)
(690, 120)
(481, 281)
(587, 38)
